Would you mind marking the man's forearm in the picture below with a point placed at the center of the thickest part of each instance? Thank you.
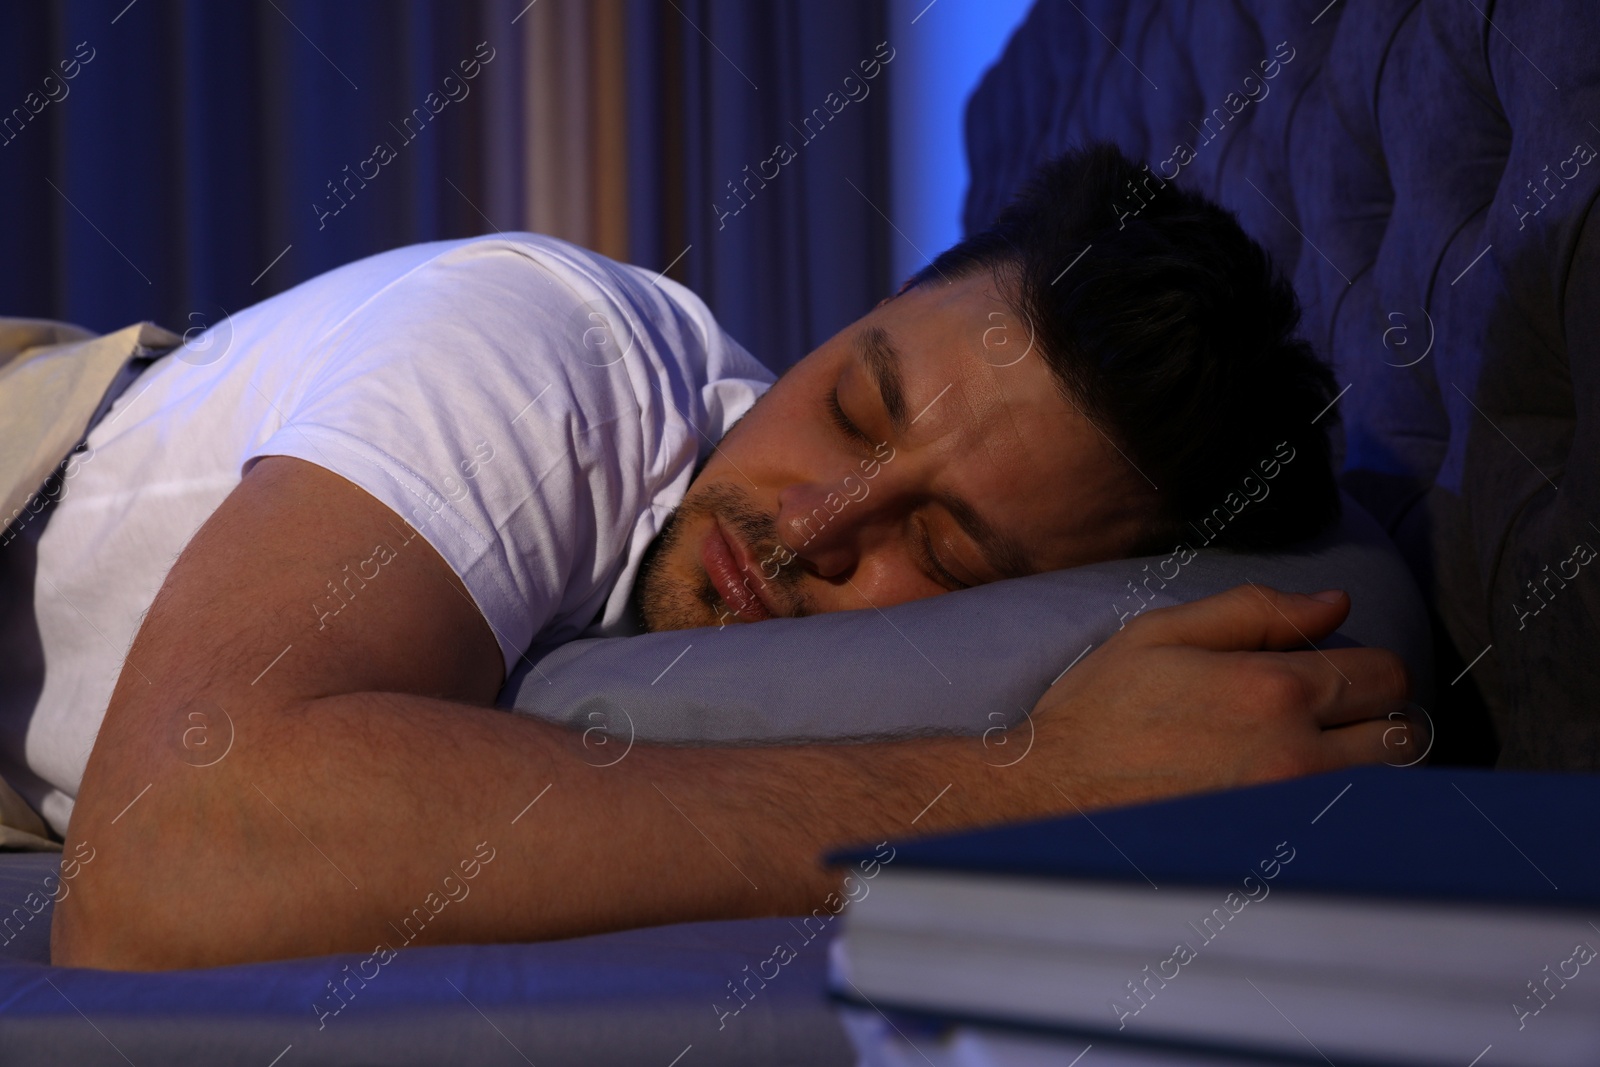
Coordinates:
(328, 824)
(351, 822)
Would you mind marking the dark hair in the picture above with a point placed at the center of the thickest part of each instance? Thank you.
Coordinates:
(1175, 334)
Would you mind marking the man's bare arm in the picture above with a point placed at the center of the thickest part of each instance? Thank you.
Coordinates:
(362, 768)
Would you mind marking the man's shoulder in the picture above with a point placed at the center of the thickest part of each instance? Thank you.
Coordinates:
(544, 270)
(529, 282)
(579, 274)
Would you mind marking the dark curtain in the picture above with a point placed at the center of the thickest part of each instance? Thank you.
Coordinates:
(716, 86)
(191, 151)
(193, 163)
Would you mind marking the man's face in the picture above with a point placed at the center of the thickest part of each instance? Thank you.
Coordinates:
(923, 448)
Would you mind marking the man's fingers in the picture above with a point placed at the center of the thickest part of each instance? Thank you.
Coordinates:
(1246, 618)
(1400, 741)
(1345, 685)
(1360, 699)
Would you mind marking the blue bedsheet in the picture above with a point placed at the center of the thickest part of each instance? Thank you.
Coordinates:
(655, 996)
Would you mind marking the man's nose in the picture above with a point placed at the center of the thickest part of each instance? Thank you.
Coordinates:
(821, 524)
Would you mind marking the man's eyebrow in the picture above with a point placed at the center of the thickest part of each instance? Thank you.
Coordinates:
(1005, 554)
(882, 360)
(883, 363)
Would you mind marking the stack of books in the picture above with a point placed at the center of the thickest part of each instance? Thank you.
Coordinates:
(1371, 916)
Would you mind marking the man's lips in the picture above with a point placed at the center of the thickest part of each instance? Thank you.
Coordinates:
(727, 565)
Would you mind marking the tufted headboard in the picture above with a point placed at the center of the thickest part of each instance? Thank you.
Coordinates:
(1426, 172)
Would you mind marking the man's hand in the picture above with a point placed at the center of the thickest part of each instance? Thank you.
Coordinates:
(1188, 698)
(276, 778)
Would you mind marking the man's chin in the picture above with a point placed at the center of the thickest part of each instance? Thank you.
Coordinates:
(679, 616)
(671, 603)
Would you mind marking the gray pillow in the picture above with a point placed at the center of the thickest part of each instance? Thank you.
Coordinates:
(963, 662)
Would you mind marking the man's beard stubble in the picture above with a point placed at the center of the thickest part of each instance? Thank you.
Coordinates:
(668, 601)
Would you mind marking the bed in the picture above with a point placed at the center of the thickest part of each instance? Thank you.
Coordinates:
(637, 997)
(657, 994)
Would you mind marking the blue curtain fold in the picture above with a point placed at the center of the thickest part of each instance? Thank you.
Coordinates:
(717, 85)
(201, 143)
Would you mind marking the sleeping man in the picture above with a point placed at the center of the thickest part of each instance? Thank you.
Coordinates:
(325, 540)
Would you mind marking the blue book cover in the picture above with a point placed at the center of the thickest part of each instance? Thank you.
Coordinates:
(1500, 837)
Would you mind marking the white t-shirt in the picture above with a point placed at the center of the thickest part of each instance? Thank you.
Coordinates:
(535, 410)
